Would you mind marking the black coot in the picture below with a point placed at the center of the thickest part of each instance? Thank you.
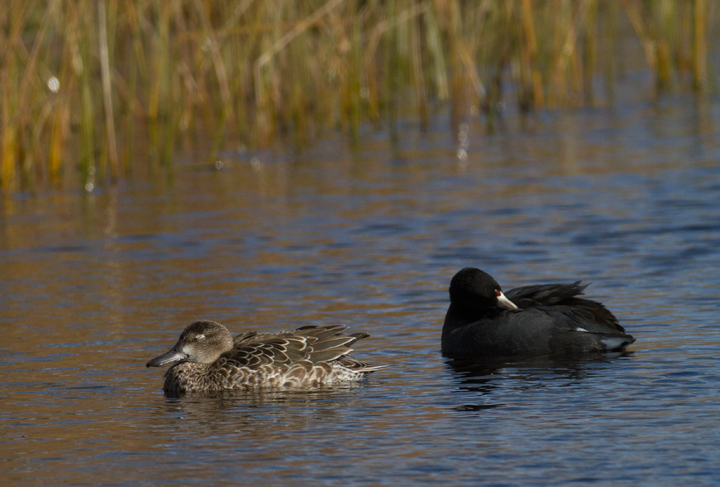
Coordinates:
(548, 319)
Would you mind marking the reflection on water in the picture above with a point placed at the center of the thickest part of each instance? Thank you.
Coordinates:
(481, 378)
(92, 286)
(474, 372)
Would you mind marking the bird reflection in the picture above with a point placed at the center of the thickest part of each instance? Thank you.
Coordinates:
(253, 414)
(489, 378)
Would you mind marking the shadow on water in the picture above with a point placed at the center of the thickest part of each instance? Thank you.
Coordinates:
(487, 378)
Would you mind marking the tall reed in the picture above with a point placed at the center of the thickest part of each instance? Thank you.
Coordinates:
(87, 86)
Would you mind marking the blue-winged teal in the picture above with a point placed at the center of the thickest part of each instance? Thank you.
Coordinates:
(547, 319)
(206, 358)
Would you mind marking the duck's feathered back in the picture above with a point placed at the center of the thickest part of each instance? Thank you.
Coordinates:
(312, 343)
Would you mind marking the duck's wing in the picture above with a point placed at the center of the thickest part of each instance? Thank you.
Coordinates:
(358, 366)
(333, 345)
(315, 344)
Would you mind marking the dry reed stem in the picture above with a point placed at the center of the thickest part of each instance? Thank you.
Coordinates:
(699, 54)
(530, 56)
(634, 13)
(107, 89)
(218, 64)
(9, 142)
(568, 48)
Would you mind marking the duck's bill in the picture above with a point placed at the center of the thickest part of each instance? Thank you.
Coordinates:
(174, 356)
(505, 303)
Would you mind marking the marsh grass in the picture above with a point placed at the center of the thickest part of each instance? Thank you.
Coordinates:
(89, 84)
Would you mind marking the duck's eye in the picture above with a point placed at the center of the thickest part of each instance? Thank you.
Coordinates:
(200, 337)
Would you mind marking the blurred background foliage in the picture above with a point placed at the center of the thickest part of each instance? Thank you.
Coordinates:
(89, 86)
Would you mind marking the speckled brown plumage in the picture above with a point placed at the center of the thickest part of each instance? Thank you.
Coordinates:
(207, 359)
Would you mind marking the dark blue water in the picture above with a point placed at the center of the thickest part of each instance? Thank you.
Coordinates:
(92, 286)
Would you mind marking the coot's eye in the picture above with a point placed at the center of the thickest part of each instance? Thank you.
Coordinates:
(498, 293)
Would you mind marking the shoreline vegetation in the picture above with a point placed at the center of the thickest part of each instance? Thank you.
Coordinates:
(87, 84)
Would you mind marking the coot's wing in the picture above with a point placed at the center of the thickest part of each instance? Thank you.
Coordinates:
(590, 315)
(545, 294)
(562, 300)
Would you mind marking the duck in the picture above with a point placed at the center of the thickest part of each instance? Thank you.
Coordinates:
(207, 358)
(531, 321)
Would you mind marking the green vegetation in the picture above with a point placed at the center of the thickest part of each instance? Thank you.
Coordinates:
(87, 84)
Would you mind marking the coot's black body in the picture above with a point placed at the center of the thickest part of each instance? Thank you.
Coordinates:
(548, 319)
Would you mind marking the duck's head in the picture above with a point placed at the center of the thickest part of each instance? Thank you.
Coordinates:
(201, 342)
(476, 291)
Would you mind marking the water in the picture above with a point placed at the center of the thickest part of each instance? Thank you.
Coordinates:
(92, 286)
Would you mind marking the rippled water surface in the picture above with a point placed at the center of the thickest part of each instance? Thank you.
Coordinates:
(92, 286)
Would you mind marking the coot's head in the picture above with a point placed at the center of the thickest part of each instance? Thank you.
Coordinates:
(475, 292)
